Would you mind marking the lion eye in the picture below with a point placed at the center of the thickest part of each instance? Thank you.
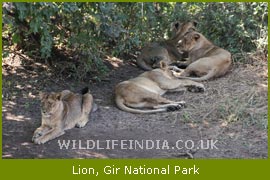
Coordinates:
(191, 29)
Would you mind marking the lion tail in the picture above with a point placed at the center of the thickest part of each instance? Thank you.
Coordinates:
(85, 90)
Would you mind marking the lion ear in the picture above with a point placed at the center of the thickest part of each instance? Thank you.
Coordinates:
(42, 95)
(176, 25)
(57, 96)
(195, 23)
(163, 65)
(196, 36)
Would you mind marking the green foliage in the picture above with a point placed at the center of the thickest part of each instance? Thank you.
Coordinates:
(235, 26)
(89, 31)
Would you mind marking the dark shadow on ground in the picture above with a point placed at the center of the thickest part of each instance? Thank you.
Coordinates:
(233, 111)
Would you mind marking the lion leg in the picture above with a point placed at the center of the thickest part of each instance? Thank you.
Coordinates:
(182, 84)
(177, 85)
(176, 70)
(87, 106)
(87, 103)
(168, 104)
(184, 73)
(162, 102)
(158, 103)
(192, 85)
(179, 89)
(83, 121)
(53, 133)
(211, 74)
(41, 131)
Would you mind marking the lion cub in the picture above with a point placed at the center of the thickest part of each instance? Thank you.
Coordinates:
(62, 111)
(167, 50)
(143, 94)
(205, 59)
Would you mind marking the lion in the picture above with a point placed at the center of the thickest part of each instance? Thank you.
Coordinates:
(205, 60)
(62, 111)
(143, 94)
(167, 50)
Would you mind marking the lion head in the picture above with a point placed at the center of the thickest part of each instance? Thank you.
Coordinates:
(189, 41)
(50, 103)
(180, 29)
(166, 69)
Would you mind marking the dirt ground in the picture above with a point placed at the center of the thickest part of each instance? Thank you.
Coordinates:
(232, 112)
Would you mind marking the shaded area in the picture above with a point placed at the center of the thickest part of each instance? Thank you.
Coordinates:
(233, 110)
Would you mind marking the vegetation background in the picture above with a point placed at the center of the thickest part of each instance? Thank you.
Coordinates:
(55, 46)
(83, 34)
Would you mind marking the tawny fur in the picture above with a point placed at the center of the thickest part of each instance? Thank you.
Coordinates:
(167, 50)
(205, 60)
(143, 94)
(62, 111)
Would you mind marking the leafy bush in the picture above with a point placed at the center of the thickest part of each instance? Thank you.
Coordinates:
(87, 32)
(235, 26)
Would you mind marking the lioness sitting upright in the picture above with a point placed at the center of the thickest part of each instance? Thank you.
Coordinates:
(205, 59)
(167, 50)
(62, 111)
(143, 94)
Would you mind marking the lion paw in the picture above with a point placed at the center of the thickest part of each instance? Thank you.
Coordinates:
(39, 140)
(174, 108)
(182, 103)
(81, 124)
(37, 134)
(195, 88)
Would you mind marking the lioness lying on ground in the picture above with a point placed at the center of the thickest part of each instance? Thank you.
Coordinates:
(143, 94)
(205, 59)
(167, 50)
(62, 111)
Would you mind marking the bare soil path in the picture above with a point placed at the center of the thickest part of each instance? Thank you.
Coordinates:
(232, 111)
